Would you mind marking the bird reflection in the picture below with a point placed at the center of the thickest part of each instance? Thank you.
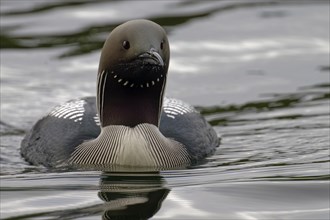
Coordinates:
(132, 195)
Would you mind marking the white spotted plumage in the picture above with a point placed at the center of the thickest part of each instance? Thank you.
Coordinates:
(174, 107)
(73, 110)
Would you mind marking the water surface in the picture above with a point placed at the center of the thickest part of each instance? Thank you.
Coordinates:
(257, 70)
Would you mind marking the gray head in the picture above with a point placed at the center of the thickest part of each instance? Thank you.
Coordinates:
(132, 74)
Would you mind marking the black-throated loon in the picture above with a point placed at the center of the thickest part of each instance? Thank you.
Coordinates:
(130, 123)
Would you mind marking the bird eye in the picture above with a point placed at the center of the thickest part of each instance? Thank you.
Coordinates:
(162, 44)
(126, 45)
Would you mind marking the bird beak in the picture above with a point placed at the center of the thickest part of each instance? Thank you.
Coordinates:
(152, 57)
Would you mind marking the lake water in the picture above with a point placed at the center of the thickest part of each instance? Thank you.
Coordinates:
(257, 70)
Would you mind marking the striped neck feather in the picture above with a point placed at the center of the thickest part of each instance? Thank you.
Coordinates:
(142, 145)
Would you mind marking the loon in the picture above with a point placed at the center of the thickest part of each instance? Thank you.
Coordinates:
(130, 122)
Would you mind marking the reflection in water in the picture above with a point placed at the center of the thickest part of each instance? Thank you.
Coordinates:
(110, 195)
(132, 196)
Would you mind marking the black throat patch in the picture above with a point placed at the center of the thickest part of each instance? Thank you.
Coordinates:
(131, 98)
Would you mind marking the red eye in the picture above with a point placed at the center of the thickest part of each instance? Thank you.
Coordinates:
(162, 45)
(126, 45)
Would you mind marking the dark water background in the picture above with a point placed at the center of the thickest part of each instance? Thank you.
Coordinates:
(257, 70)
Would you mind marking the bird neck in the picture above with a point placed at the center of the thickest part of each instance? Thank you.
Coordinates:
(130, 106)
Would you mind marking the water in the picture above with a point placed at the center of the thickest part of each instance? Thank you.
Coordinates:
(257, 70)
